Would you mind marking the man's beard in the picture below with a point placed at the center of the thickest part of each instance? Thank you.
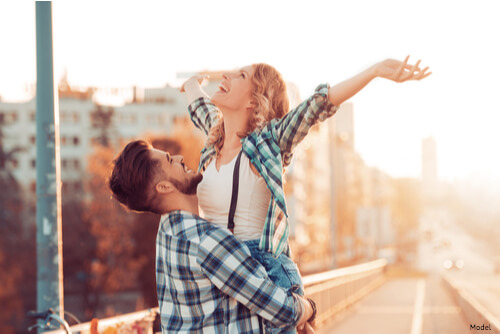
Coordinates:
(189, 187)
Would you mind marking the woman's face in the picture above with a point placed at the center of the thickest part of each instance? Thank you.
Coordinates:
(235, 90)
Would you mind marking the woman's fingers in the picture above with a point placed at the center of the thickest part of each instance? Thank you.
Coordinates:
(401, 68)
(199, 78)
(422, 74)
(411, 73)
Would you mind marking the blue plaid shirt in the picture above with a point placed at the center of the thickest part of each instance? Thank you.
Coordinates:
(207, 281)
(270, 149)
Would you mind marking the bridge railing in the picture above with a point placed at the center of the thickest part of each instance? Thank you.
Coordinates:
(332, 291)
(335, 290)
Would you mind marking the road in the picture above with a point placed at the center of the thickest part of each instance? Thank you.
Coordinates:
(420, 302)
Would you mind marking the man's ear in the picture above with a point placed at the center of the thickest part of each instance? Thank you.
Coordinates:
(164, 187)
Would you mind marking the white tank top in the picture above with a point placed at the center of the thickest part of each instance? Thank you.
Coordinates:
(214, 198)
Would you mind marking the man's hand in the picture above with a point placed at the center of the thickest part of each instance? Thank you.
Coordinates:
(307, 328)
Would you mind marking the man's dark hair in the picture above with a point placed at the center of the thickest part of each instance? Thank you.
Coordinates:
(132, 179)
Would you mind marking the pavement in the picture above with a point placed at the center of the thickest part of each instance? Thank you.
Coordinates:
(423, 303)
(414, 305)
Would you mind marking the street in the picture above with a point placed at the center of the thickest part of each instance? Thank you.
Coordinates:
(418, 301)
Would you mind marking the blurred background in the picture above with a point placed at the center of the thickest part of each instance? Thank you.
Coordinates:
(407, 172)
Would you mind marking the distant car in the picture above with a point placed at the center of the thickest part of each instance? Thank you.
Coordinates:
(453, 264)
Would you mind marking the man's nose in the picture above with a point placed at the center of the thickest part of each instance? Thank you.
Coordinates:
(178, 158)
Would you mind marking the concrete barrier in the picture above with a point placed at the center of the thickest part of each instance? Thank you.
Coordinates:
(333, 291)
(481, 320)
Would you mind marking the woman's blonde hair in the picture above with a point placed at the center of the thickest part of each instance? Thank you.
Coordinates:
(270, 98)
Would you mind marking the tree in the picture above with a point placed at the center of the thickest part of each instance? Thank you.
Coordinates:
(17, 248)
(113, 267)
(102, 121)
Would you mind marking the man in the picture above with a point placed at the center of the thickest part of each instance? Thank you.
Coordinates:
(207, 282)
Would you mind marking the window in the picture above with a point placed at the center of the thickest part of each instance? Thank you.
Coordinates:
(76, 141)
(33, 139)
(78, 186)
(8, 117)
(63, 116)
(33, 163)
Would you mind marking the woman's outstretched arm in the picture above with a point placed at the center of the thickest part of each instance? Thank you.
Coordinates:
(295, 125)
(395, 70)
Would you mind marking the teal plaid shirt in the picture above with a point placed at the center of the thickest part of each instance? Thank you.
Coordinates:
(269, 149)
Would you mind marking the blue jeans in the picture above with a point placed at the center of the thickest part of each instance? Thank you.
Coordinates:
(283, 272)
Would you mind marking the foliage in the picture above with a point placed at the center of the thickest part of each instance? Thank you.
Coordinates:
(17, 249)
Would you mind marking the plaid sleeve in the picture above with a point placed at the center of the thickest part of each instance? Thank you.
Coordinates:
(229, 266)
(294, 126)
(204, 114)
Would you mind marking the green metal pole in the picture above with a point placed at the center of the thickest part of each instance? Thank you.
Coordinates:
(48, 170)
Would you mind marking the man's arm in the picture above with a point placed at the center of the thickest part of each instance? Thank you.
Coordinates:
(229, 266)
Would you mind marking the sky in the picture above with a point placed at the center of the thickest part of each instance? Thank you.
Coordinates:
(126, 43)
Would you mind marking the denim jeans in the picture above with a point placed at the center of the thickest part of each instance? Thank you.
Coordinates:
(283, 272)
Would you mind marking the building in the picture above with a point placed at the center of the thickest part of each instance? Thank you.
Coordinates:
(334, 199)
(338, 206)
(429, 168)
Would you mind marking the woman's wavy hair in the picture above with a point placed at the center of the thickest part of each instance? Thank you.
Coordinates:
(270, 98)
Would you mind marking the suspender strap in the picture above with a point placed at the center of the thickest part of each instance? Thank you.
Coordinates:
(234, 195)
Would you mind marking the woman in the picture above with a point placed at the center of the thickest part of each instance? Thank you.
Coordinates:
(248, 114)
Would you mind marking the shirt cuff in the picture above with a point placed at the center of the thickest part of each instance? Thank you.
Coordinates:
(199, 102)
(321, 97)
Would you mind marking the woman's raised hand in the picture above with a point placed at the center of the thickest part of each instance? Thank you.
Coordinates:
(194, 79)
(400, 71)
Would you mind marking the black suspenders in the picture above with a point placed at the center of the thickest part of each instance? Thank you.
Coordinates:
(234, 195)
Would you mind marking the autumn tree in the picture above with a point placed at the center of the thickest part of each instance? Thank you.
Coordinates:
(112, 268)
(17, 247)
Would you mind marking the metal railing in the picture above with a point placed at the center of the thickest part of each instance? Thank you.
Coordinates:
(143, 319)
(333, 291)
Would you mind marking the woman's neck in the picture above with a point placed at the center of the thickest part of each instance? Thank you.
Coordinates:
(234, 124)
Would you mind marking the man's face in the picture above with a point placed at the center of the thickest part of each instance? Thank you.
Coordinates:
(173, 168)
